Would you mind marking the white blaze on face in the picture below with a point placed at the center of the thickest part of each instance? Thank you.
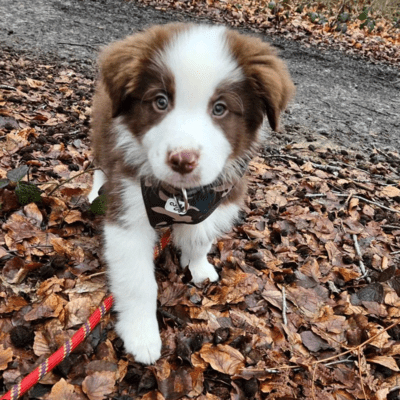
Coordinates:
(199, 59)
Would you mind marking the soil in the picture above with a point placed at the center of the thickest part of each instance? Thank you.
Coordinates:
(350, 101)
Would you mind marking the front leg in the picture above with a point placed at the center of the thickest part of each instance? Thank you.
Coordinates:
(129, 244)
(195, 241)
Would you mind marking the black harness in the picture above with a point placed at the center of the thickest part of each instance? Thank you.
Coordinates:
(166, 205)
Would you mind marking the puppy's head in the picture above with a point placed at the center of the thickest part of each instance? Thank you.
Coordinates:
(188, 101)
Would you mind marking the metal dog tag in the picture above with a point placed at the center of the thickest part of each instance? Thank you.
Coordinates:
(176, 206)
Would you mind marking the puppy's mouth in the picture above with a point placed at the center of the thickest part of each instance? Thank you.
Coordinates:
(187, 181)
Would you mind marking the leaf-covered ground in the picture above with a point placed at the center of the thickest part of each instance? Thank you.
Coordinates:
(293, 316)
(355, 27)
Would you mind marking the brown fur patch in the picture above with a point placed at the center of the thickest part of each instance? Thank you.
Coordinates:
(266, 74)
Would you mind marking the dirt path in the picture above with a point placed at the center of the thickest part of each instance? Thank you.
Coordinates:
(350, 101)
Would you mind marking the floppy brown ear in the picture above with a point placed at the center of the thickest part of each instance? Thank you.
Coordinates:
(267, 74)
(122, 63)
(119, 69)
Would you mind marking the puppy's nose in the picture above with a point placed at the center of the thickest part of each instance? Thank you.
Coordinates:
(183, 161)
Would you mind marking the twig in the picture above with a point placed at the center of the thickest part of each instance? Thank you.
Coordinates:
(394, 388)
(390, 226)
(360, 374)
(358, 251)
(79, 44)
(284, 305)
(70, 179)
(366, 200)
(347, 360)
(377, 204)
(281, 156)
(359, 346)
(311, 195)
(386, 114)
(327, 167)
(395, 252)
(7, 87)
(96, 274)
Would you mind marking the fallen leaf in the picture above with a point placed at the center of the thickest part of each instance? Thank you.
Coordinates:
(223, 358)
(388, 362)
(98, 385)
(62, 391)
(390, 191)
(6, 356)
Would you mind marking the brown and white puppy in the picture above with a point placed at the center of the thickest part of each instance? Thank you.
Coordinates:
(177, 115)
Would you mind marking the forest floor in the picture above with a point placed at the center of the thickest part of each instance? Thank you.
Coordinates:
(294, 316)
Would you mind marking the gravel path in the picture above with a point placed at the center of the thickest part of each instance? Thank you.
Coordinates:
(351, 101)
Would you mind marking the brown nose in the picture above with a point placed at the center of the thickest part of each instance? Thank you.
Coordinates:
(183, 161)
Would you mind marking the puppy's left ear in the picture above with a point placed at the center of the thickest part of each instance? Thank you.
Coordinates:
(274, 86)
(268, 74)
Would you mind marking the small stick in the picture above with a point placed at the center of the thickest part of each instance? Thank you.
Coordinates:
(358, 251)
(284, 306)
(311, 195)
(70, 179)
(281, 156)
(80, 45)
(366, 200)
(347, 360)
(395, 252)
(7, 87)
(390, 226)
(326, 167)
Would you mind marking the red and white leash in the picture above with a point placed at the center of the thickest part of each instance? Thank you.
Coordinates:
(64, 351)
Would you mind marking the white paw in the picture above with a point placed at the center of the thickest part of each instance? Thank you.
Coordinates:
(202, 271)
(141, 339)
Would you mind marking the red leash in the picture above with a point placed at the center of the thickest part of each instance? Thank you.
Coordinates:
(64, 351)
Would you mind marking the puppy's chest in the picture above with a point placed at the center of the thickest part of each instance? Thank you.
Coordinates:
(166, 205)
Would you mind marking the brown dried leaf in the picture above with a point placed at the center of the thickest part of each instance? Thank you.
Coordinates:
(33, 83)
(388, 362)
(33, 213)
(13, 269)
(67, 249)
(6, 356)
(62, 391)
(176, 385)
(71, 216)
(223, 358)
(172, 293)
(3, 252)
(313, 342)
(41, 345)
(389, 191)
(99, 385)
(19, 227)
(153, 395)
(50, 307)
(13, 303)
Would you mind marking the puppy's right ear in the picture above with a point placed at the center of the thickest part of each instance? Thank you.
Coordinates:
(119, 65)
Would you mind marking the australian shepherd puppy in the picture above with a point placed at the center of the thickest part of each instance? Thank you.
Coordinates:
(177, 116)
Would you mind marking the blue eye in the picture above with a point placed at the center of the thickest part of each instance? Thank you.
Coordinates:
(161, 102)
(219, 109)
